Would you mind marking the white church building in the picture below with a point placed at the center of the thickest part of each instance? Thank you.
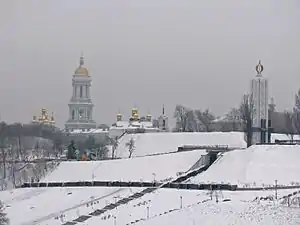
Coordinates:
(80, 120)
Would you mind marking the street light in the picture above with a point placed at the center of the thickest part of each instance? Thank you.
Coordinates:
(181, 202)
(148, 214)
(275, 189)
(115, 220)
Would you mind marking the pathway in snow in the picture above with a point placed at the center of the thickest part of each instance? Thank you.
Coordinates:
(55, 214)
(110, 207)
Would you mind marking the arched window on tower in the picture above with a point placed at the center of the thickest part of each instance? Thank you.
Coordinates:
(73, 114)
(81, 114)
(80, 91)
(88, 114)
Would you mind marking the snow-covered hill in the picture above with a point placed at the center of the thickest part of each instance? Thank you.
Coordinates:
(56, 206)
(160, 167)
(33, 206)
(158, 143)
(259, 165)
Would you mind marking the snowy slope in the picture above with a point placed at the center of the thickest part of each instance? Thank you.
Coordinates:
(255, 166)
(155, 143)
(196, 207)
(42, 204)
(160, 167)
(232, 213)
(55, 206)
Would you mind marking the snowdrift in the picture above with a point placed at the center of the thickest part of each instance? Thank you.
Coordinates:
(158, 167)
(259, 165)
(159, 143)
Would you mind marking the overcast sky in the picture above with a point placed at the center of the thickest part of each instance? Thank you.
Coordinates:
(198, 53)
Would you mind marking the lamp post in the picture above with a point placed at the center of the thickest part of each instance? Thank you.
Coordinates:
(148, 214)
(180, 202)
(115, 220)
(275, 189)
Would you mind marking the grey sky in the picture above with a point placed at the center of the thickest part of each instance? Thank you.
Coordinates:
(145, 53)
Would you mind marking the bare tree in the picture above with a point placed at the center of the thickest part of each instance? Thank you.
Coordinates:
(206, 118)
(3, 217)
(234, 119)
(3, 151)
(115, 143)
(289, 124)
(246, 113)
(131, 146)
(296, 113)
(181, 118)
(191, 121)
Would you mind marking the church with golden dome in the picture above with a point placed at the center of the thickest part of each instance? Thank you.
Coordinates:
(44, 118)
(81, 105)
(138, 124)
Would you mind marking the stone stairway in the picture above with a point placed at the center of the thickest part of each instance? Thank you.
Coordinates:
(110, 207)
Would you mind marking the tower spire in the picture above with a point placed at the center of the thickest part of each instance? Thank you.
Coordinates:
(259, 68)
(163, 109)
(81, 61)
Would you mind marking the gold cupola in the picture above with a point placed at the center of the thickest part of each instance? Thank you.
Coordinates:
(34, 119)
(81, 70)
(134, 114)
(148, 117)
(119, 116)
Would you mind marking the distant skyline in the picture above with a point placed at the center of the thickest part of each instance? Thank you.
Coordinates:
(201, 54)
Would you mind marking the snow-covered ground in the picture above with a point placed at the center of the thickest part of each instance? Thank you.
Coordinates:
(33, 206)
(157, 143)
(54, 206)
(259, 165)
(256, 166)
(160, 167)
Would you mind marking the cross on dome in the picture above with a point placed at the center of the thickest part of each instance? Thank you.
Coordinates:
(80, 69)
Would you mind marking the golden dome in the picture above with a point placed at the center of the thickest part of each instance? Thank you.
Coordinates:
(81, 70)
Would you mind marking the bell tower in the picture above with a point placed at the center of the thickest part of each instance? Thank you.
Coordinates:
(163, 121)
(80, 105)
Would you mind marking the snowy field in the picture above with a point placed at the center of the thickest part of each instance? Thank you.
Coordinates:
(177, 207)
(55, 206)
(42, 204)
(160, 167)
(157, 143)
(256, 166)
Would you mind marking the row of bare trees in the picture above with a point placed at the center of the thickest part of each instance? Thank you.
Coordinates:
(292, 118)
(20, 144)
(238, 119)
(188, 120)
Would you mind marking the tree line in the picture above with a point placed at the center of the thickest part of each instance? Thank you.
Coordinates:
(237, 119)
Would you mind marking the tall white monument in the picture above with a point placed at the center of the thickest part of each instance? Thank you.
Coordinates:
(259, 94)
(80, 105)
